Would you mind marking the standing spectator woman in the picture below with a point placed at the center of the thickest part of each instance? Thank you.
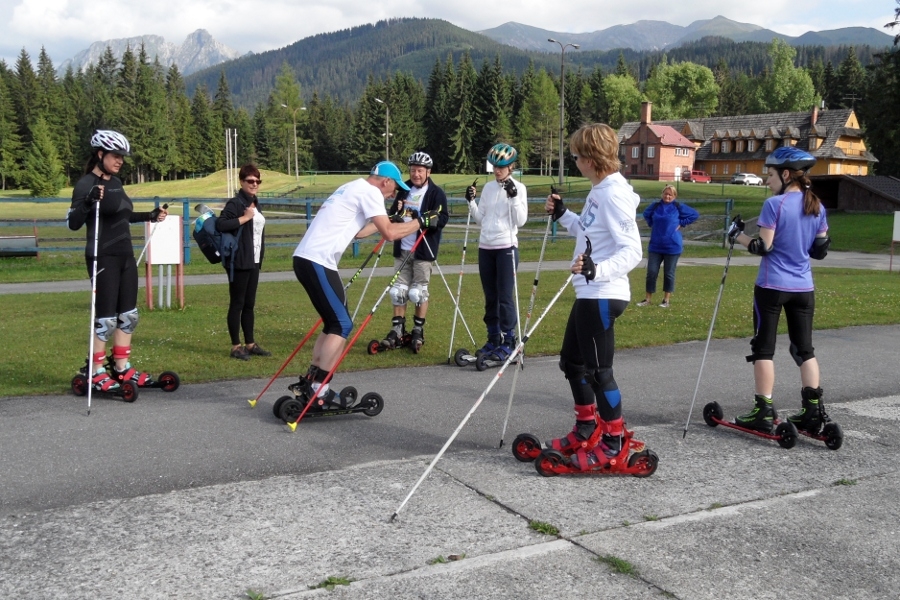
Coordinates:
(501, 210)
(792, 229)
(607, 248)
(99, 189)
(666, 219)
(242, 213)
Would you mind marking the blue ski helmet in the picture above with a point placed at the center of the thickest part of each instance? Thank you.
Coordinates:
(502, 155)
(789, 157)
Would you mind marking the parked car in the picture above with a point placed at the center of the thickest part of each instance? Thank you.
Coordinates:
(747, 179)
(696, 177)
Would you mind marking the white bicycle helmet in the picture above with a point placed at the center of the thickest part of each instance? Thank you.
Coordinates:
(111, 141)
(421, 159)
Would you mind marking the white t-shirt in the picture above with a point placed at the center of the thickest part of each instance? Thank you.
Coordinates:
(412, 202)
(259, 223)
(608, 220)
(338, 221)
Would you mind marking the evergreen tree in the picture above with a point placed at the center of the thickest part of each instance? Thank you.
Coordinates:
(367, 134)
(329, 131)
(464, 159)
(157, 149)
(599, 110)
(25, 96)
(851, 81)
(492, 108)
(43, 170)
(205, 152)
(832, 93)
(287, 96)
(179, 115)
(407, 115)
(10, 143)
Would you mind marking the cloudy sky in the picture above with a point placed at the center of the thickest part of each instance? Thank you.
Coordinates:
(65, 27)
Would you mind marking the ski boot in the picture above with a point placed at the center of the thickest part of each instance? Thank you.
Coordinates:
(610, 450)
(759, 422)
(417, 337)
(290, 408)
(812, 420)
(397, 337)
(463, 357)
(102, 383)
(168, 380)
(499, 355)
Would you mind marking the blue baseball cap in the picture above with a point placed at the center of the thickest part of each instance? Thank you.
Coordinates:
(388, 169)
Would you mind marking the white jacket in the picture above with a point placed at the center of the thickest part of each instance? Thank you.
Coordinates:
(494, 212)
(608, 220)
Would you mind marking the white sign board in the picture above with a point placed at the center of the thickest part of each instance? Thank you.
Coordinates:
(896, 237)
(166, 241)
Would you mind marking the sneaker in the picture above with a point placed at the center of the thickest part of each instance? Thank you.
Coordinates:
(644, 303)
(810, 416)
(257, 350)
(240, 353)
(664, 304)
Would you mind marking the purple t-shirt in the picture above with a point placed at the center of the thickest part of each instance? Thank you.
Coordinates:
(786, 267)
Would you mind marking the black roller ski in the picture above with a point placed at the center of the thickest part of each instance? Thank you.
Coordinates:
(784, 432)
(126, 391)
(464, 358)
(288, 408)
(489, 360)
(376, 346)
(168, 381)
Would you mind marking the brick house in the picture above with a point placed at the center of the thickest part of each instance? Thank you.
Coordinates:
(740, 144)
(656, 151)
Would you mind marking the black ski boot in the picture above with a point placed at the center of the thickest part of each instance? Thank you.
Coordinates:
(398, 330)
(417, 339)
(810, 416)
(760, 418)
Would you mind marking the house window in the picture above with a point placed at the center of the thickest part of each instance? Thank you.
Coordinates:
(651, 151)
(739, 168)
(715, 147)
(649, 169)
(739, 146)
(726, 146)
(714, 169)
(636, 152)
(725, 169)
(770, 145)
(751, 145)
(634, 169)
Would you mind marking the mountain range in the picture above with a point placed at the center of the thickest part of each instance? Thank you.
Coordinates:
(659, 35)
(198, 51)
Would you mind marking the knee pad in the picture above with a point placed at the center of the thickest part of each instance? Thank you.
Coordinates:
(399, 294)
(604, 383)
(128, 321)
(418, 293)
(574, 372)
(121, 352)
(801, 355)
(757, 355)
(104, 327)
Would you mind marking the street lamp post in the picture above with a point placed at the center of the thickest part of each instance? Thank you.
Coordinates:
(562, 99)
(387, 128)
(296, 156)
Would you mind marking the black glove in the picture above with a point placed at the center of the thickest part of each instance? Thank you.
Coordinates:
(429, 220)
(588, 268)
(470, 191)
(510, 186)
(154, 214)
(397, 217)
(737, 226)
(559, 209)
(93, 195)
(401, 195)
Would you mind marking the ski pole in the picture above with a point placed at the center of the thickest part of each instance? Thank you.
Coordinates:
(537, 276)
(349, 345)
(462, 264)
(309, 333)
(149, 237)
(458, 310)
(519, 348)
(709, 336)
(90, 369)
(379, 248)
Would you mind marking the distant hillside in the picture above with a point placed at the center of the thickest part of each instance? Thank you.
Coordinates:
(657, 35)
(198, 51)
(339, 63)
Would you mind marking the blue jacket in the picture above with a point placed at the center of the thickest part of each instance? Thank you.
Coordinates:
(664, 219)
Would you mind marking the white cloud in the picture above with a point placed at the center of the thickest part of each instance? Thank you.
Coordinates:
(65, 27)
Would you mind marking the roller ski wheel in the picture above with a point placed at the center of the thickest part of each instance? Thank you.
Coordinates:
(785, 433)
(376, 346)
(168, 381)
(526, 447)
(831, 434)
(550, 463)
(464, 358)
(643, 463)
(289, 408)
(372, 404)
(487, 361)
(276, 408)
(373, 348)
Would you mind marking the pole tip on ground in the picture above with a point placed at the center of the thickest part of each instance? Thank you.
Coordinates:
(252, 403)
(500, 447)
(292, 425)
(684, 435)
(393, 518)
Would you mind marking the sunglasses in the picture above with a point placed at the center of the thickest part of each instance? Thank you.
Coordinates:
(253, 181)
(575, 157)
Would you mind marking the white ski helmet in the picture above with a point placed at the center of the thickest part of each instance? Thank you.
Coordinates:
(111, 141)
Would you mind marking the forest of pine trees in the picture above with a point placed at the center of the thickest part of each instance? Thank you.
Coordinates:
(456, 114)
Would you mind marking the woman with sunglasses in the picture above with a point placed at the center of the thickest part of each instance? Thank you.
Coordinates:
(242, 214)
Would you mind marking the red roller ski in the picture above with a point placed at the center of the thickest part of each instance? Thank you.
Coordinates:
(785, 432)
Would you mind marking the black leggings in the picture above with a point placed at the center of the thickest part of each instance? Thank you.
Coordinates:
(242, 291)
(799, 309)
(117, 284)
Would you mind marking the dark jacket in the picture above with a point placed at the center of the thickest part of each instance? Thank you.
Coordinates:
(228, 221)
(435, 199)
(664, 220)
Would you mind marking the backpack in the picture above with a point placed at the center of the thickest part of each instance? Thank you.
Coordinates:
(216, 245)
